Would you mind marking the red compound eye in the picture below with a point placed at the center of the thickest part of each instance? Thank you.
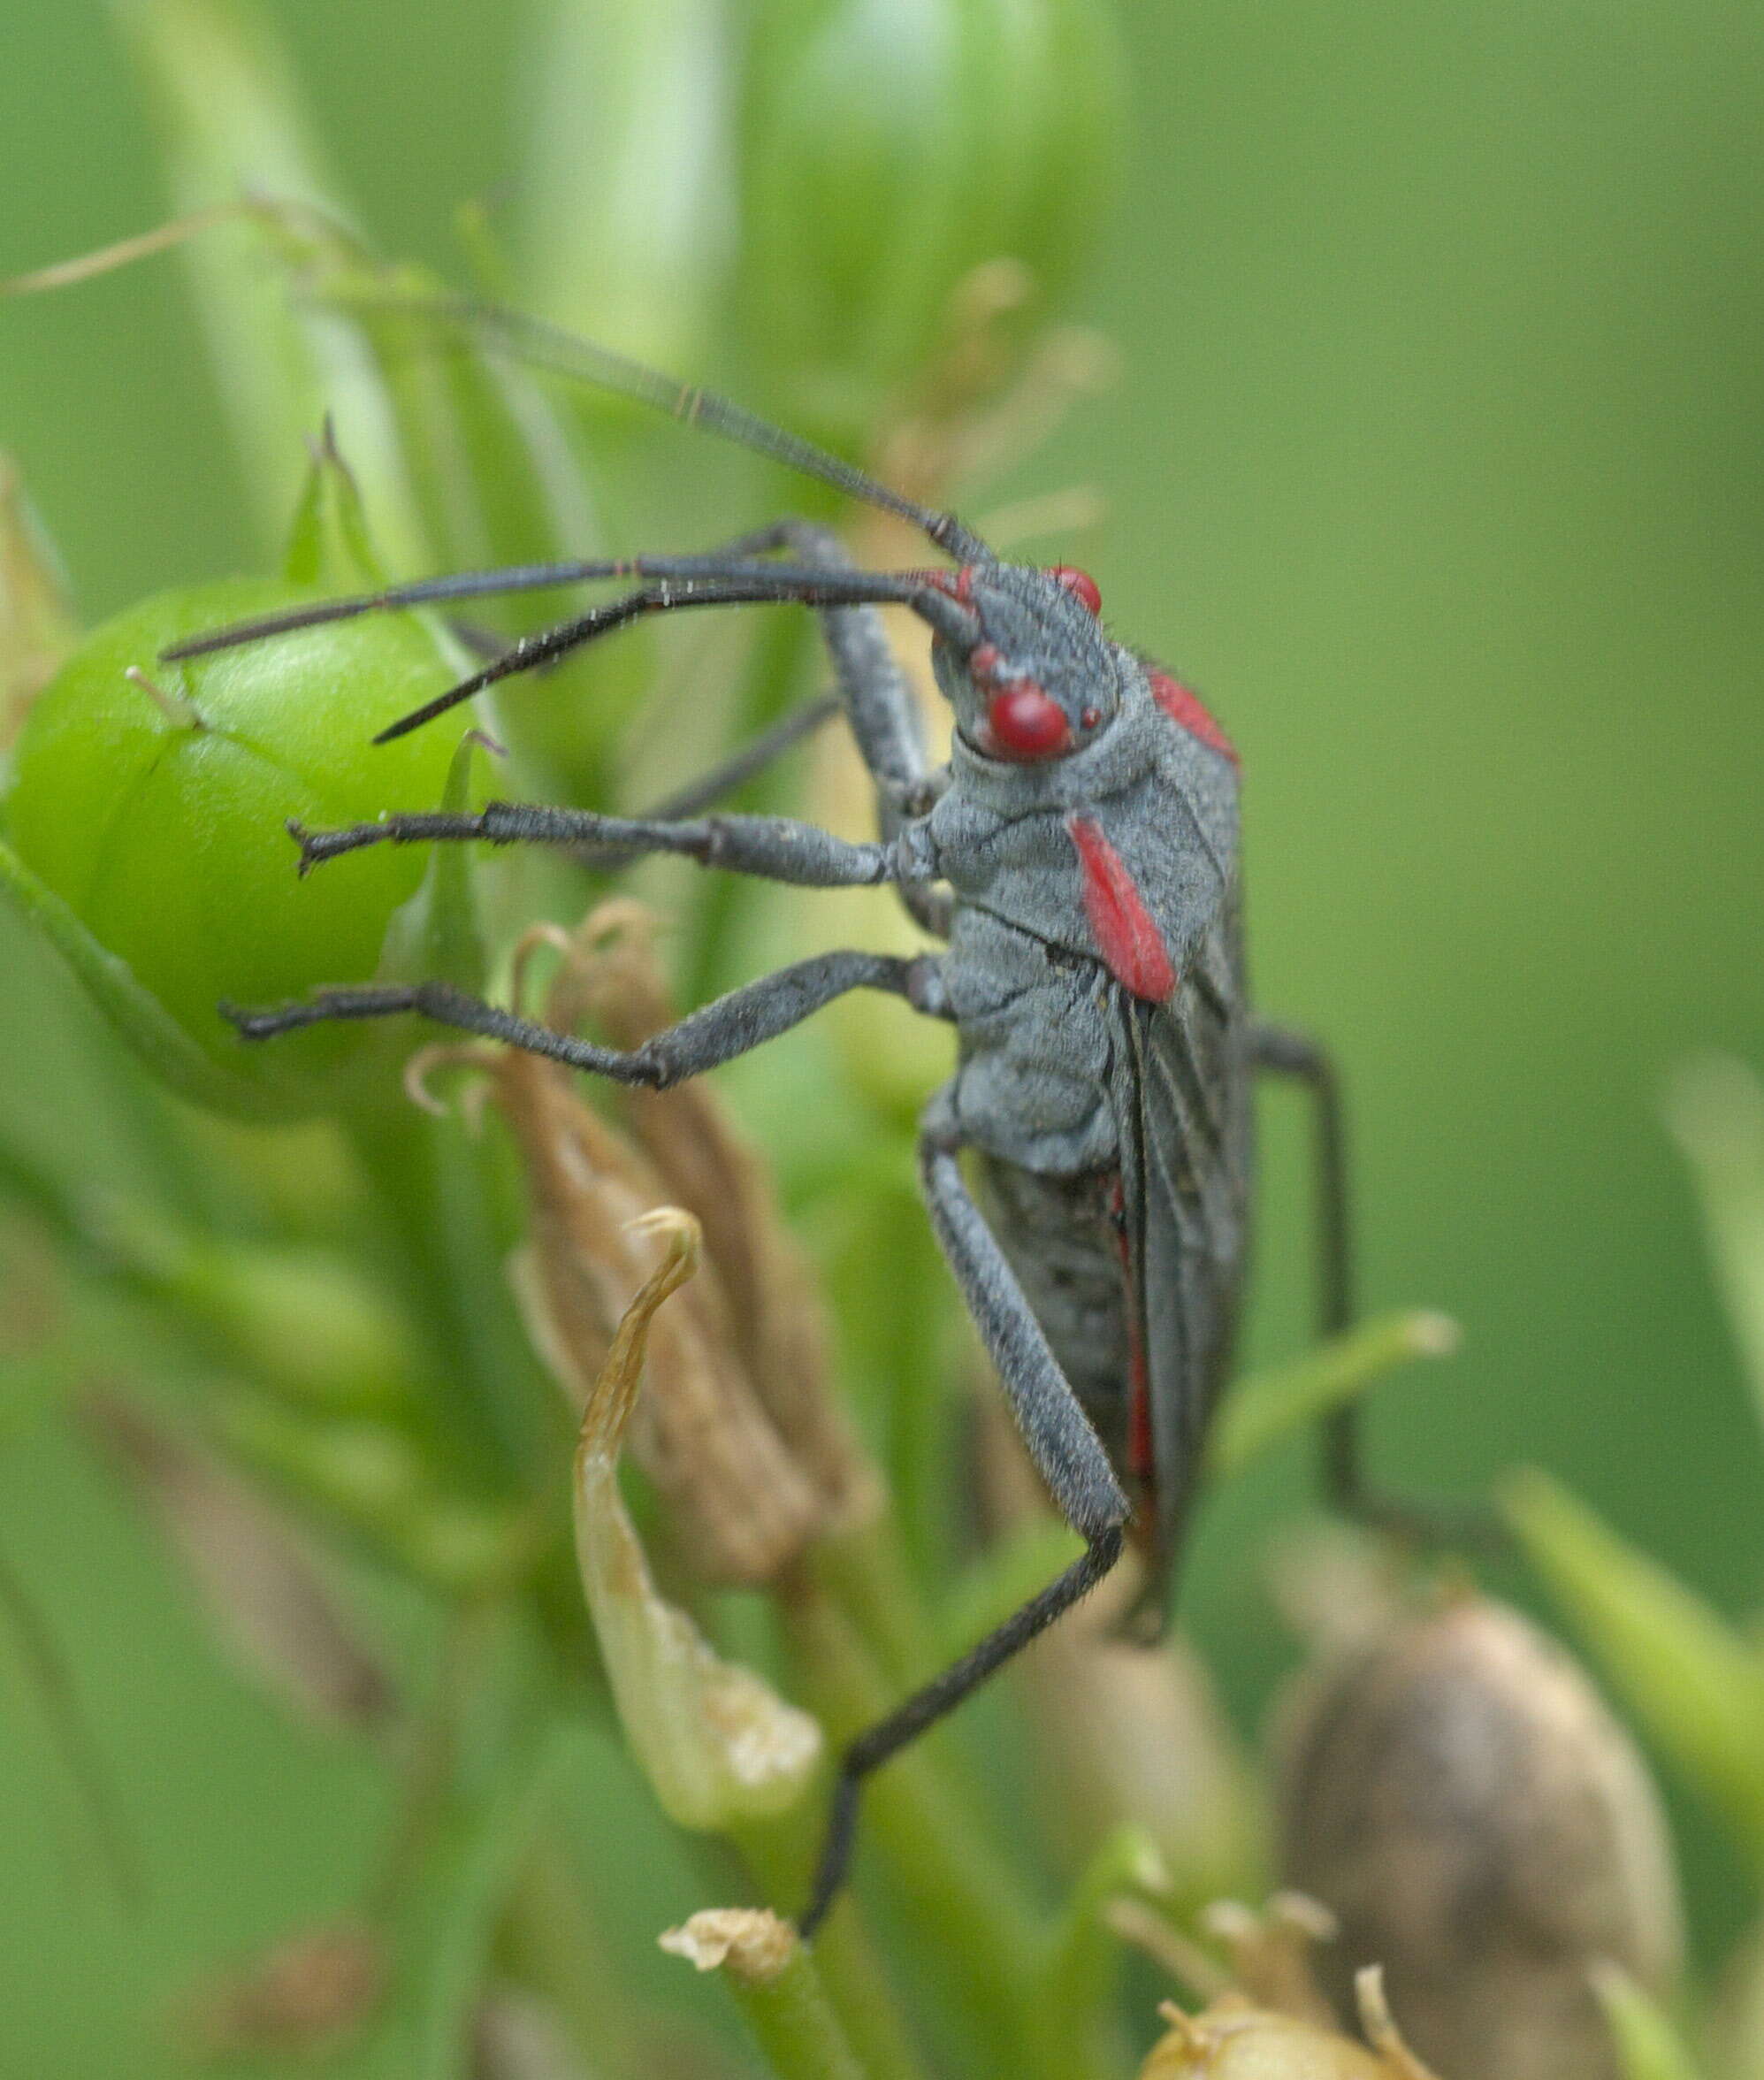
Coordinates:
(1080, 583)
(1023, 723)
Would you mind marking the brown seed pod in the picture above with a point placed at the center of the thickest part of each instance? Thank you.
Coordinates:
(1461, 1800)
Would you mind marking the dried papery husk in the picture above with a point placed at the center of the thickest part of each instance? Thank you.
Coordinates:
(778, 1328)
(717, 1743)
(750, 1942)
(263, 1599)
(1461, 1800)
(741, 1506)
(1271, 1953)
(745, 1499)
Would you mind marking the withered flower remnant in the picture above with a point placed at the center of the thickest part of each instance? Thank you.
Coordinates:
(1232, 2040)
(718, 1744)
(738, 1429)
(1464, 1803)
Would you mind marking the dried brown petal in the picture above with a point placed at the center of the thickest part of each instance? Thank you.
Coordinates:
(737, 1428)
(742, 1506)
(1465, 1804)
(263, 1597)
(774, 1315)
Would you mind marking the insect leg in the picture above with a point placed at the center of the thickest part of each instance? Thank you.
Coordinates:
(732, 1025)
(880, 710)
(1066, 1451)
(746, 761)
(774, 848)
(1280, 1051)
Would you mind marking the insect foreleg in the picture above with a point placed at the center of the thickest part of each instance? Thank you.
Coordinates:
(880, 710)
(733, 1025)
(1066, 1451)
(774, 848)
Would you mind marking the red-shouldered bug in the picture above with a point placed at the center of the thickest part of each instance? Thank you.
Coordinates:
(1079, 856)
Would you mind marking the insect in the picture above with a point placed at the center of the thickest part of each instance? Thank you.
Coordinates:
(1078, 860)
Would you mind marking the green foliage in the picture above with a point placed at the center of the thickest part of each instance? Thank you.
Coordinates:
(825, 190)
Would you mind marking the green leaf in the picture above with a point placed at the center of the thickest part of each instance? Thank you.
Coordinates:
(1716, 1112)
(1261, 1409)
(1083, 1956)
(435, 936)
(329, 547)
(1003, 1580)
(628, 176)
(232, 124)
(1694, 1681)
(502, 475)
(448, 1915)
(1648, 2046)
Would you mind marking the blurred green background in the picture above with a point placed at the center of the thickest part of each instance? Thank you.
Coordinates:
(1435, 461)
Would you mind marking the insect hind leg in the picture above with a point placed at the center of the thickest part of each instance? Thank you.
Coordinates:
(1280, 1051)
(1066, 1451)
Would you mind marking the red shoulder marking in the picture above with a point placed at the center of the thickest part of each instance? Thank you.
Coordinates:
(1188, 712)
(1126, 935)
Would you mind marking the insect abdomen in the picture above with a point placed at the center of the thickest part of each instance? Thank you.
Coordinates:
(1061, 1236)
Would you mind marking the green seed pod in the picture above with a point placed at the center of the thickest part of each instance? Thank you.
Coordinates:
(1460, 1798)
(887, 151)
(151, 799)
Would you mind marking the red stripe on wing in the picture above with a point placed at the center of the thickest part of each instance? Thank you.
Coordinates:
(1126, 933)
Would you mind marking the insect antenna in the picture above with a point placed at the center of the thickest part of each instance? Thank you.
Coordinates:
(539, 345)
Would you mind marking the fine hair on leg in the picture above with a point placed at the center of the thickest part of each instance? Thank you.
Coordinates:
(1066, 1451)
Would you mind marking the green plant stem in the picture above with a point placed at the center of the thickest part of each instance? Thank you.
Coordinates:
(794, 2021)
(550, 1943)
(969, 1923)
(853, 1973)
(1083, 1955)
(53, 1682)
(865, 1572)
(1266, 1406)
(445, 1260)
